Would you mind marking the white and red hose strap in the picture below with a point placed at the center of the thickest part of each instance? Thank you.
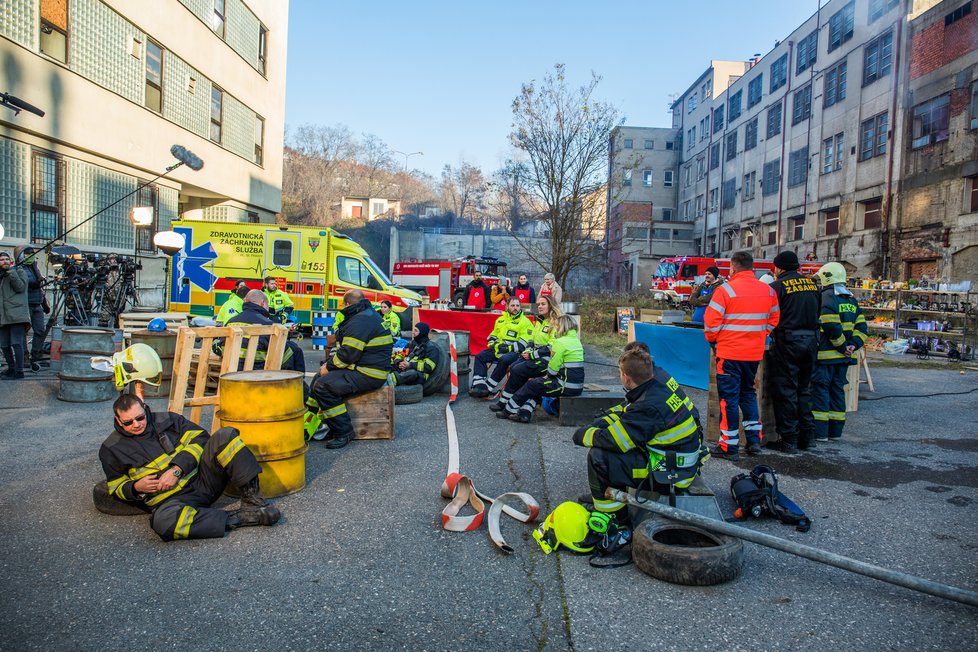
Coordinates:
(461, 491)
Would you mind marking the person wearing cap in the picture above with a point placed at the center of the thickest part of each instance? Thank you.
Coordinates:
(702, 293)
(791, 359)
(421, 359)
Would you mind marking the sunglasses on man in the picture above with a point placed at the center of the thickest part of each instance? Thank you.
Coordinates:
(126, 424)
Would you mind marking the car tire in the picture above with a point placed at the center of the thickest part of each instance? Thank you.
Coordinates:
(438, 377)
(683, 554)
(408, 394)
(107, 504)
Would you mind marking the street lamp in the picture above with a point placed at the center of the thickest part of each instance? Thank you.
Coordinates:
(169, 242)
(407, 156)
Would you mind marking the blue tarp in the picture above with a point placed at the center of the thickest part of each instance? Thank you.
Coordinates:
(683, 352)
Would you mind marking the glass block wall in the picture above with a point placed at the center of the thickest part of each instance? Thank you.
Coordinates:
(239, 128)
(18, 22)
(99, 49)
(224, 214)
(242, 32)
(15, 187)
(168, 208)
(89, 189)
(191, 110)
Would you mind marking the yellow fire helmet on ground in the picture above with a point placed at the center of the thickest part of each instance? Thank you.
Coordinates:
(138, 362)
(567, 525)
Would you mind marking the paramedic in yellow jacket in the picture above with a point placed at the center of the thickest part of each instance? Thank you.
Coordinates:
(280, 304)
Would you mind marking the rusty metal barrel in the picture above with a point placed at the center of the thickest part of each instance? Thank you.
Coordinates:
(267, 409)
(165, 345)
(79, 382)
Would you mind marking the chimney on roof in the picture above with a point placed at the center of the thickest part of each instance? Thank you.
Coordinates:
(756, 59)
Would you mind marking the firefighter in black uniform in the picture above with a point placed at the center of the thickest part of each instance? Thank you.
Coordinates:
(171, 466)
(360, 363)
(657, 427)
(255, 311)
(422, 358)
(791, 359)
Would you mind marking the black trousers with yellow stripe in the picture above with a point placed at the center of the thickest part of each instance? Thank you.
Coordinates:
(188, 514)
(618, 470)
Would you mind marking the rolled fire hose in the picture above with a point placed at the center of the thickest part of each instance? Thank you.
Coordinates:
(461, 491)
(845, 563)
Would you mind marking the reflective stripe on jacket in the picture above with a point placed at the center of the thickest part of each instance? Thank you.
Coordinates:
(541, 337)
(510, 334)
(392, 322)
(841, 324)
(363, 343)
(741, 314)
(567, 361)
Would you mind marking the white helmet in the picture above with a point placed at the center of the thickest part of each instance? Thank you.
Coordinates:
(830, 274)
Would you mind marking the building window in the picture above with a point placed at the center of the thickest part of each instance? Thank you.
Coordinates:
(714, 196)
(259, 140)
(154, 76)
(648, 144)
(47, 197)
(690, 138)
(714, 156)
(835, 84)
(772, 235)
(750, 135)
(832, 149)
(637, 232)
(798, 228)
(729, 193)
(685, 211)
(707, 89)
(830, 220)
(779, 73)
(666, 214)
(699, 205)
(667, 179)
(878, 58)
(626, 177)
(774, 120)
(807, 52)
(254, 219)
(217, 111)
(735, 105)
(749, 186)
(974, 105)
(669, 145)
(840, 26)
(930, 121)
(147, 196)
(647, 178)
(957, 14)
(628, 143)
(705, 128)
(769, 180)
(54, 29)
(748, 239)
(872, 138)
(797, 167)
(872, 214)
(801, 106)
(691, 103)
(687, 175)
(217, 19)
(973, 200)
(263, 48)
(701, 166)
(755, 90)
(732, 145)
(718, 119)
(879, 7)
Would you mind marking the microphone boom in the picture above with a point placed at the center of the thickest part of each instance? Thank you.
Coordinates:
(186, 157)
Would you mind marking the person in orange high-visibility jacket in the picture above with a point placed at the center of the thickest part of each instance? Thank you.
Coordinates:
(740, 316)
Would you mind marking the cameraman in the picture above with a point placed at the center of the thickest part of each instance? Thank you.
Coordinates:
(109, 274)
(14, 316)
(37, 302)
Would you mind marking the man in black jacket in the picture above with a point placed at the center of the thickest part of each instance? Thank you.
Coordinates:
(37, 303)
(360, 363)
(791, 358)
(173, 468)
(255, 311)
(477, 293)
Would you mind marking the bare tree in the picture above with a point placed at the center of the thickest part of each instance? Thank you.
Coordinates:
(463, 189)
(564, 133)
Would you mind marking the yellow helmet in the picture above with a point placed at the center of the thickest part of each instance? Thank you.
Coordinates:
(830, 274)
(567, 525)
(138, 362)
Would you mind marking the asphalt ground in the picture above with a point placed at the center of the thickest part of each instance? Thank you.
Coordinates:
(360, 560)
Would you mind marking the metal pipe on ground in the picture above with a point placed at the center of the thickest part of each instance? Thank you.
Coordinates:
(808, 552)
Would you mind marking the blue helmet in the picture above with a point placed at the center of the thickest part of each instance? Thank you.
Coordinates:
(157, 325)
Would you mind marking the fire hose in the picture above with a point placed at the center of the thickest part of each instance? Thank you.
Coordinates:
(830, 558)
(461, 491)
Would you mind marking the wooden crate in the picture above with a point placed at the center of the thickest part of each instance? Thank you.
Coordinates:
(373, 414)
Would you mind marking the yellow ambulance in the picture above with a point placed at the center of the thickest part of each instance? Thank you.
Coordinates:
(315, 266)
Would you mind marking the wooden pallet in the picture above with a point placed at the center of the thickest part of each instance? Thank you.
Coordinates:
(135, 321)
(203, 396)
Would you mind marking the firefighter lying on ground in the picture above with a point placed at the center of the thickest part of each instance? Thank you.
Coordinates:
(531, 362)
(360, 363)
(172, 467)
(255, 311)
(509, 337)
(634, 443)
(421, 360)
(564, 377)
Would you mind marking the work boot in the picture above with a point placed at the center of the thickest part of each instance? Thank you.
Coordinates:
(251, 495)
(339, 442)
(753, 448)
(807, 444)
(783, 446)
(520, 417)
(251, 515)
(498, 406)
(724, 455)
(479, 391)
(503, 414)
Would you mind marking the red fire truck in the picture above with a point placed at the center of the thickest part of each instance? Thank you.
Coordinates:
(676, 276)
(446, 279)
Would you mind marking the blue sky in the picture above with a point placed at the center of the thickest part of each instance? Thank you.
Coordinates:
(440, 77)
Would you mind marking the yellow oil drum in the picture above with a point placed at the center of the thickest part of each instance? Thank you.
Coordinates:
(267, 408)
